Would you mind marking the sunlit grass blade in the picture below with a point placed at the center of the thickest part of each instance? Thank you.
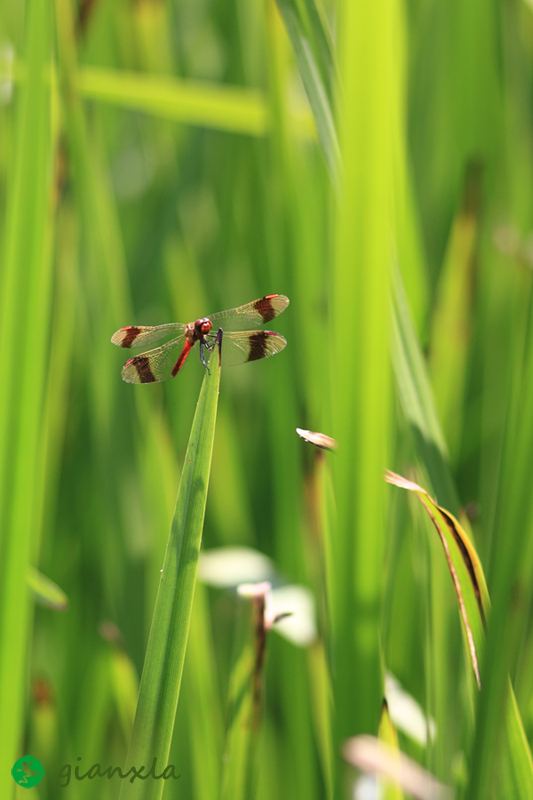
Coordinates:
(209, 105)
(25, 311)
(46, 592)
(163, 666)
(387, 733)
(220, 107)
(360, 384)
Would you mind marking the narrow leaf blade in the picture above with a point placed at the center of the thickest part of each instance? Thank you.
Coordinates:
(163, 666)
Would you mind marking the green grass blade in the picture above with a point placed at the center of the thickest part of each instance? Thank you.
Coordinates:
(209, 105)
(512, 557)
(451, 332)
(227, 108)
(320, 681)
(360, 377)
(25, 310)
(387, 733)
(203, 703)
(417, 400)
(245, 696)
(163, 666)
(516, 779)
(46, 592)
(313, 83)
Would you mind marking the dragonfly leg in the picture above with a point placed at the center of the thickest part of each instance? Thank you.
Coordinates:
(203, 343)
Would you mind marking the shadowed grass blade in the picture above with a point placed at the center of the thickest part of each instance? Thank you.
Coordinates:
(451, 332)
(313, 82)
(246, 702)
(417, 399)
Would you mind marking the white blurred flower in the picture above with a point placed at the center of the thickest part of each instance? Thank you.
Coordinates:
(298, 603)
(227, 567)
(406, 714)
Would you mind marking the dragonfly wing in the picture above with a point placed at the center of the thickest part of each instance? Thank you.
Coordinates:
(141, 335)
(155, 365)
(256, 313)
(238, 347)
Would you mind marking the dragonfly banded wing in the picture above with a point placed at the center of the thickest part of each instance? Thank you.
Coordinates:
(141, 335)
(155, 365)
(253, 314)
(238, 347)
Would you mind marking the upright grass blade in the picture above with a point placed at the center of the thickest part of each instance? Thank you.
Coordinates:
(321, 500)
(313, 78)
(387, 733)
(320, 682)
(451, 319)
(246, 701)
(360, 282)
(163, 666)
(511, 575)
(25, 310)
(419, 408)
(417, 400)
(203, 703)
(360, 377)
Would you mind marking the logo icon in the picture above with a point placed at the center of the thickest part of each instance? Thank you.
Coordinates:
(27, 771)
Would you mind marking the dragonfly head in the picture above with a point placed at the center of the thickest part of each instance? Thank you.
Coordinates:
(202, 326)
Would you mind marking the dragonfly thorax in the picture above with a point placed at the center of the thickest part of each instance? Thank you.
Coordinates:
(196, 331)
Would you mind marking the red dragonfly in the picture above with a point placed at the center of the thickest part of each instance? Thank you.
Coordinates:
(237, 347)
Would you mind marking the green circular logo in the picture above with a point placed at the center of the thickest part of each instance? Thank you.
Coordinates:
(27, 771)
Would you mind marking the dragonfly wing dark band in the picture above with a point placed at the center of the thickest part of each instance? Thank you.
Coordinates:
(240, 347)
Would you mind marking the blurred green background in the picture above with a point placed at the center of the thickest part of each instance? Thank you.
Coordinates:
(159, 161)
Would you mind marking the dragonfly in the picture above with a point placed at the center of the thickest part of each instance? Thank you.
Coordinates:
(238, 346)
